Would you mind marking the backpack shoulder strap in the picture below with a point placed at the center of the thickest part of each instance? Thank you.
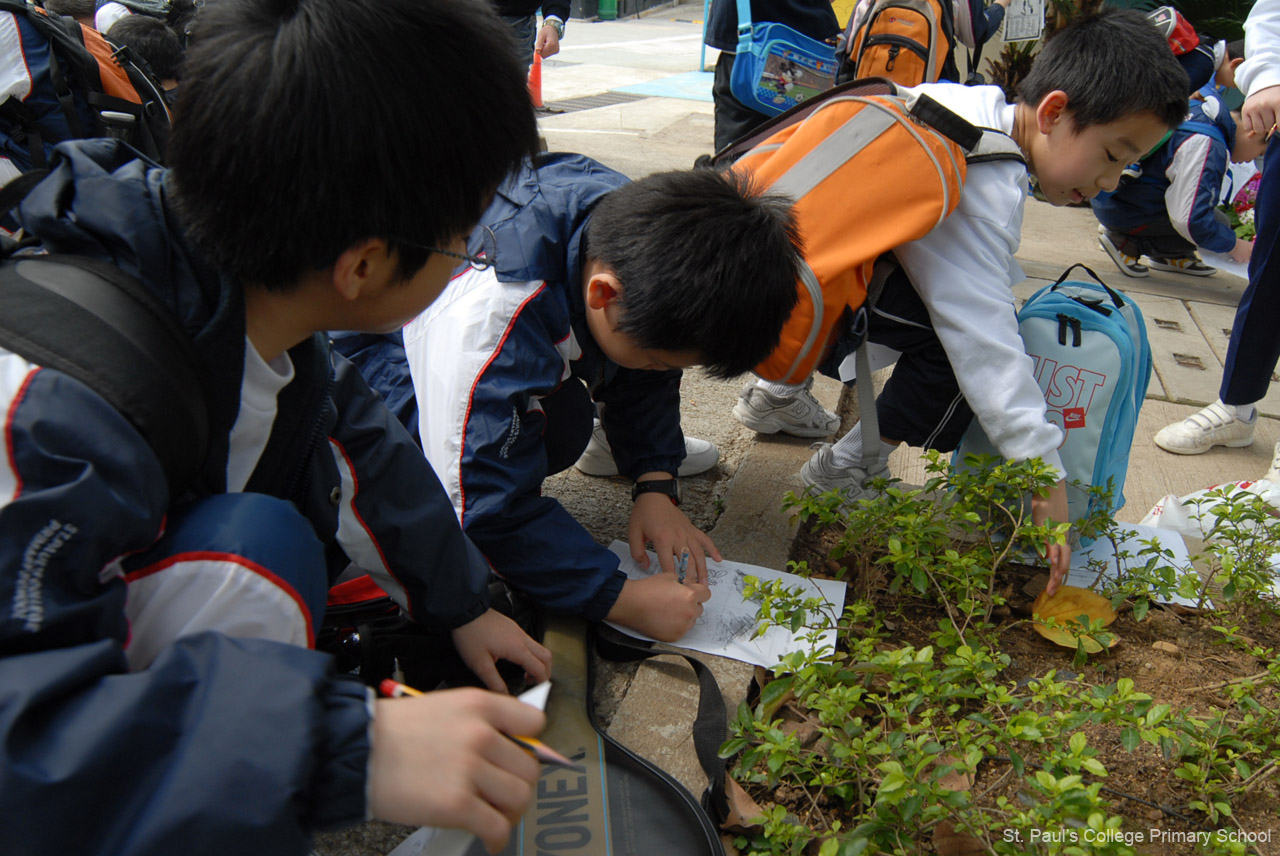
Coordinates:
(742, 145)
(89, 320)
(995, 146)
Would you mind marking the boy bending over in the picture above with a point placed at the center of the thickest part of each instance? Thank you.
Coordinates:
(1171, 208)
(601, 291)
(161, 644)
(1102, 92)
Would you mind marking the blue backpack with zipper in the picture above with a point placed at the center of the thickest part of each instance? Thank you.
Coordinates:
(1093, 363)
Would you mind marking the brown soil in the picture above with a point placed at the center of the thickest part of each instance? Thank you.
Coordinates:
(1184, 678)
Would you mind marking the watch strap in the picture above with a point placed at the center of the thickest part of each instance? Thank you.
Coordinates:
(669, 488)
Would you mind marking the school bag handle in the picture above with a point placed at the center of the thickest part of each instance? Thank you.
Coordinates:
(1116, 299)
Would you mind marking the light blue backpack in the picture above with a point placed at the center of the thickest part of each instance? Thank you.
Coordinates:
(1093, 363)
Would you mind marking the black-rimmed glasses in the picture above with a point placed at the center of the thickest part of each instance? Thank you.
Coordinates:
(481, 261)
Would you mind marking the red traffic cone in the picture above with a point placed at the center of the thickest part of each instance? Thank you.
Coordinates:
(535, 80)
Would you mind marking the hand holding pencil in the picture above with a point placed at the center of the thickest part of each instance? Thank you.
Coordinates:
(445, 759)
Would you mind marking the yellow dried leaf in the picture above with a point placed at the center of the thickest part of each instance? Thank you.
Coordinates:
(1066, 607)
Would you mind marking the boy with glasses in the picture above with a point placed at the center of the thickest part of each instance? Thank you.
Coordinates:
(161, 643)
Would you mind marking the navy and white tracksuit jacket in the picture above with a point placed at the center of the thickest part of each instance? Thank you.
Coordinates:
(488, 350)
(1180, 182)
(221, 745)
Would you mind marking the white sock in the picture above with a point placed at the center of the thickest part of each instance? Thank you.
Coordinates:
(781, 390)
(1242, 412)
(847, 451)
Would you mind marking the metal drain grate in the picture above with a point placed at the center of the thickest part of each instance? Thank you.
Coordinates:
(590, 102)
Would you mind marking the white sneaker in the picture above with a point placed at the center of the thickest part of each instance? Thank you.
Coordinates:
(800, 415)
(1201, 431)
(820, 475)
(1273, 474)
(597, 459)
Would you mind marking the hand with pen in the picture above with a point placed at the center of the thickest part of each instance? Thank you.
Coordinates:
(663, 606)
(444, 759)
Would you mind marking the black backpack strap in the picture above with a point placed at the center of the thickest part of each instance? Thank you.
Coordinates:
(710, 728)
(25, 130)
(66, 44)
(89, 320)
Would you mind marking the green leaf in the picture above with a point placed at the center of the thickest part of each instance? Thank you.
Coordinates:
(1129, 739)
(1140, 608)
(1093, 765)
(853, 848)
(775, 690)
(893, 782)
(919, 580)
(829, 847)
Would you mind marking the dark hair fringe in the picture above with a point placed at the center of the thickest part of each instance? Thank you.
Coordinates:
(290, 145)
(707, 263)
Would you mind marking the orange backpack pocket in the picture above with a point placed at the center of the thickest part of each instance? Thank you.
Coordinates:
(866, 177)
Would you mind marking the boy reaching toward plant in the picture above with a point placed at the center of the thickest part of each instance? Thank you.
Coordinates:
(1101, 93)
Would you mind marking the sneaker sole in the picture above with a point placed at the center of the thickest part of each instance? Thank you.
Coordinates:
(773, 425)
(1175, 269)
(1200, 450)
(1111, 253)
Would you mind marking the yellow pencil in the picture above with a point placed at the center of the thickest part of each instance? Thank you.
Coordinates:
(532, 745)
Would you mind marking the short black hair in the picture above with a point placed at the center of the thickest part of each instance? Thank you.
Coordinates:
(1235, 50)
(1111, 65)
(707, 263)
(303, 127)
(153, 40)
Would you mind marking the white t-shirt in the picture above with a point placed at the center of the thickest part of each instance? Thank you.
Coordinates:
(964, 271)
(262, 383)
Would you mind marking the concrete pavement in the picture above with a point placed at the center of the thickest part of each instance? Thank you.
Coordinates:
(600, 96)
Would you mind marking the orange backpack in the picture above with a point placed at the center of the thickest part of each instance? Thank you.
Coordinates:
(869, 169)
(906, 41)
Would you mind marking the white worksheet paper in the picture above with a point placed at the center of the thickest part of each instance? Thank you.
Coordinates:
(1130, 539)
(728, 622)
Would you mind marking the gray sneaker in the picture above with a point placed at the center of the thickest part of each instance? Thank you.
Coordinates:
(800, 415)
(820, 475)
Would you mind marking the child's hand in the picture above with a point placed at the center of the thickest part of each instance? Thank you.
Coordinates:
(492, 637)
(442, 760)
(1053, 506)
(659, 606)
(655, 520)
(1259, 112)
(1242, 251)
